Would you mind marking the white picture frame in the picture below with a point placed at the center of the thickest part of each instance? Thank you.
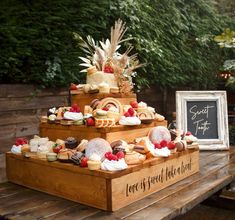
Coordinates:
(188, 112)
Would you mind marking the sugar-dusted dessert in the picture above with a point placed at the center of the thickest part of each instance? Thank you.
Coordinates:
(98, 146)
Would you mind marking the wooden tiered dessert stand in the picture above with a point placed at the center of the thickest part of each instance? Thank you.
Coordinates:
(102, 189)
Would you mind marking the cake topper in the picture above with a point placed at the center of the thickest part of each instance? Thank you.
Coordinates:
(104, 56)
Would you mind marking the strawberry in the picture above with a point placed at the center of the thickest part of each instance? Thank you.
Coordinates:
(21, 141)
(75, 108)
(110, 156)
(171, 145)
(157, 146)
(113, 157)
(134, 104)
(131, 111)
(163, 143)
(107, 154)
(108, 69)
(120, 155)
(188, 133)
(90, 122)
(127, 114)
(73, 86)
(57, 148)
(83, 162)
(105, 108)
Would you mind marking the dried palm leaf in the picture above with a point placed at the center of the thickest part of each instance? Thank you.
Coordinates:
(117, 33)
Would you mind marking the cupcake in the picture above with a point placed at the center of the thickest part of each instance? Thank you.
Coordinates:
(94, 162)
(51, 157)
(93, 165)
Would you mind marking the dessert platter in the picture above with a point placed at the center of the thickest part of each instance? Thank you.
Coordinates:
(106, 150)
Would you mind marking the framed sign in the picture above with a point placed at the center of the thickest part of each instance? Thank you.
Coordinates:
(204, 114)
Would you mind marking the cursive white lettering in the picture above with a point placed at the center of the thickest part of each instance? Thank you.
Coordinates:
(201, 126)
(197, 112)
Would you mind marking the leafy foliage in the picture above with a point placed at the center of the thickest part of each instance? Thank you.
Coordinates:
(37, 41)
(170, 37)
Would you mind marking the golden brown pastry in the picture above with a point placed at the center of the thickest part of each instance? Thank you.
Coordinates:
(133, 157)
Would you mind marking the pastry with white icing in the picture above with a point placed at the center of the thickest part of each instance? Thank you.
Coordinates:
(129, 120)
(112, 165)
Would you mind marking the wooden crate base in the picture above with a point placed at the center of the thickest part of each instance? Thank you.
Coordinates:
(127, 133)
(101, 189)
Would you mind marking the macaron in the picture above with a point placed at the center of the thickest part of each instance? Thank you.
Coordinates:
(101, 113)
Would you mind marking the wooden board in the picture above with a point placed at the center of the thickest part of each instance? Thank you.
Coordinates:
(102, 189)
(127, 133)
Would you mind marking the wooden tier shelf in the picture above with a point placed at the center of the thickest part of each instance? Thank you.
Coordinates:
(127, 133)
(101, 189)
(83, 99)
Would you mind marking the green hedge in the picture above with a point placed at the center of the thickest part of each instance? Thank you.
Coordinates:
(37, 43)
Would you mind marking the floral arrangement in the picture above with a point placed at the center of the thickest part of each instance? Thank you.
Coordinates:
(105, 57)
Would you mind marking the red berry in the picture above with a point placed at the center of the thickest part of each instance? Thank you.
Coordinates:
(127, 114)
(75, 108)
(57, 148)
(157, 146)
(105, 108)
(113, 157)
(83, 162)
(90, 122)
(163, 143)
(107, 154)
(134, 104)
(171, 145)
(108, 69)
(131, 111)
(188, 133)
(21, 141)
(73, 86)
(120, 155)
